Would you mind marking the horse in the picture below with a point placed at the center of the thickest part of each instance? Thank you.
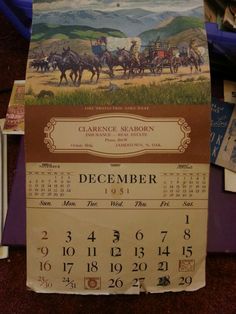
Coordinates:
(147, 62)
(192, 59)
(128, 61)
(52, 60)
(57, 60)
(113, 59)
(79, 63)
(196, 60)
(41, 65)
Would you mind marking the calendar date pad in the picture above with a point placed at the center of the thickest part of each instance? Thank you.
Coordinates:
(117, 228)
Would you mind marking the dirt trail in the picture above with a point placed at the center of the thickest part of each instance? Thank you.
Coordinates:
(37, 81)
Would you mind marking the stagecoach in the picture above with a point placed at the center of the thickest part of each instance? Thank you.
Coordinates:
(155, 57)
(162, 55)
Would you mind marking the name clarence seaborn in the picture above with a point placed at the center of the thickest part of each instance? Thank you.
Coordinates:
(118, 178)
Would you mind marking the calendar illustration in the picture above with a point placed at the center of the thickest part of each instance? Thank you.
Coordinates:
(117, 148)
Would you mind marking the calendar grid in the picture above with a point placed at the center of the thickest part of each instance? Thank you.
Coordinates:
(104, 243)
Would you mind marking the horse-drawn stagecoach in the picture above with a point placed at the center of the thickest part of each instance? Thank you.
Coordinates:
(162, 55)
(109, 55)
(155, 57)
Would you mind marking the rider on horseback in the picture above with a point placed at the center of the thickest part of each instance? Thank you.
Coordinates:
(134, 52)
(193, 48)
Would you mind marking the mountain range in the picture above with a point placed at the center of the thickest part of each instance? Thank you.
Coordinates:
(173, 27)
(131, 22)
(43, 31)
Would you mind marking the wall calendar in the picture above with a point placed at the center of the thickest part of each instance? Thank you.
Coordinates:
(117, 147)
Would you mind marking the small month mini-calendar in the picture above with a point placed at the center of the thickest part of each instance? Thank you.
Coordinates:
(117, 147)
